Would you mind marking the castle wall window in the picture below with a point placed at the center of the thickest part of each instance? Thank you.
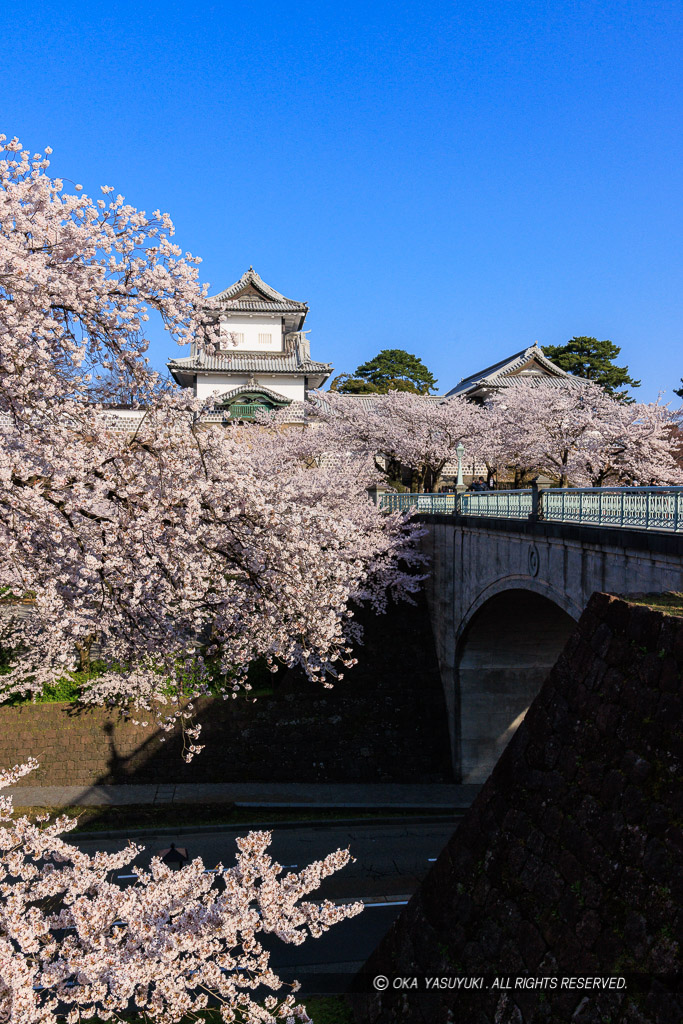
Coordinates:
(265, 339)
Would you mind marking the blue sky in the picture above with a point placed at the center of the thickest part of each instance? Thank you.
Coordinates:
(456, 179)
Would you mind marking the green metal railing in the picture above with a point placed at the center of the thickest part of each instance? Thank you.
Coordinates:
(642, 508)
(245, 411)
(517, 504)
(646, 508)
(422, 502)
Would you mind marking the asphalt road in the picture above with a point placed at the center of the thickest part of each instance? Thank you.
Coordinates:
(390, 861)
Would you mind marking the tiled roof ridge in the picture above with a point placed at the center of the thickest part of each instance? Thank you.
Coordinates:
(503, 368)
(250, 277)
(512, 362)
(533, 352)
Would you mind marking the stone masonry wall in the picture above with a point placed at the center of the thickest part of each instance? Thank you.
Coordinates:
(384, 722)
(568, 863)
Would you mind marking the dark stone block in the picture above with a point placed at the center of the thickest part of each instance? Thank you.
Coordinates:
(635, 932)
(552, 785)
(629, 764)
(590, 777)
(649, 670)
(568, 866)
(559, 716)
(670, 706)
(529, 874)
(531, 944)
(601, 639)
(511, 820)
(634, 805)
(593, 891)
(613, 786)
(656, 863)
(535, 841)
(658, 819)
(673, 839)
(607, 717)
(589, 928)
(551, 820)
(644, 626)
(670, 676)
(549, 885)
(610, 609)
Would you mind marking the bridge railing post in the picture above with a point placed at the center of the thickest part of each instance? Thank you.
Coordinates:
(536, 501)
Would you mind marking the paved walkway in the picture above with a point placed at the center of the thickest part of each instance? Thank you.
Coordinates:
(257, 794)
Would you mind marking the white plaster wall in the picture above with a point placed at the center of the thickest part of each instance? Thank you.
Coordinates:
(125, 414)
(251, 327)
(290, 387)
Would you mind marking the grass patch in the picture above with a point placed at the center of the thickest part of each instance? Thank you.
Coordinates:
(670, 603)
(145, 816)
(329, 1010)
(69, 688)
(321, 1010)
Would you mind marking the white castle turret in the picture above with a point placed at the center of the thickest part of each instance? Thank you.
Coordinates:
(264, 359)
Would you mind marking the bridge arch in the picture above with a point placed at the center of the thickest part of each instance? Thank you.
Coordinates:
(516, 582)
(509, 639)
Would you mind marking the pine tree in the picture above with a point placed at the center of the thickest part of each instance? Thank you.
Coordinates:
(593, 360)
(392, 369)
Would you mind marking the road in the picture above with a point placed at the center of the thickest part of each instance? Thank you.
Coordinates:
(390, 861)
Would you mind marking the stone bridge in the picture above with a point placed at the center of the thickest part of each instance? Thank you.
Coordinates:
(504, 596)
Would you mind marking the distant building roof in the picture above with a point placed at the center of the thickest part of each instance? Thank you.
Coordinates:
(252, 294)
(365, 401)
(528, 366)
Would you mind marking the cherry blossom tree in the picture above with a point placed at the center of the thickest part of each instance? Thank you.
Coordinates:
(171, 548)
(648, 450)
(409, 430)
(73, 943)
(581, 436)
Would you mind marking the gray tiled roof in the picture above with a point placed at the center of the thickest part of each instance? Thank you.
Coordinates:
(364, 401)
(504, 373)
(535, 381)
(272, 302)
(251, 305)
(249, 363)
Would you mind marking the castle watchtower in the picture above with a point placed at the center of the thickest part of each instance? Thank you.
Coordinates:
(263, 359)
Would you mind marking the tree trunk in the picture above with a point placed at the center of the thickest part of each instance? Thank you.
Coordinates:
(83, 647)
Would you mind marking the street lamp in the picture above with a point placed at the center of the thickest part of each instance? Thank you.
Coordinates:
(174, 857)
(459, 449)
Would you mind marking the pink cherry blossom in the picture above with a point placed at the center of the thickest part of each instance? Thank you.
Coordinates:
(580, 436)
(170, 547)
(73, 943)
(408, 430)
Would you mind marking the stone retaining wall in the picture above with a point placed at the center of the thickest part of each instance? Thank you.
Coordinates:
(569, 861)
(385, 722)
